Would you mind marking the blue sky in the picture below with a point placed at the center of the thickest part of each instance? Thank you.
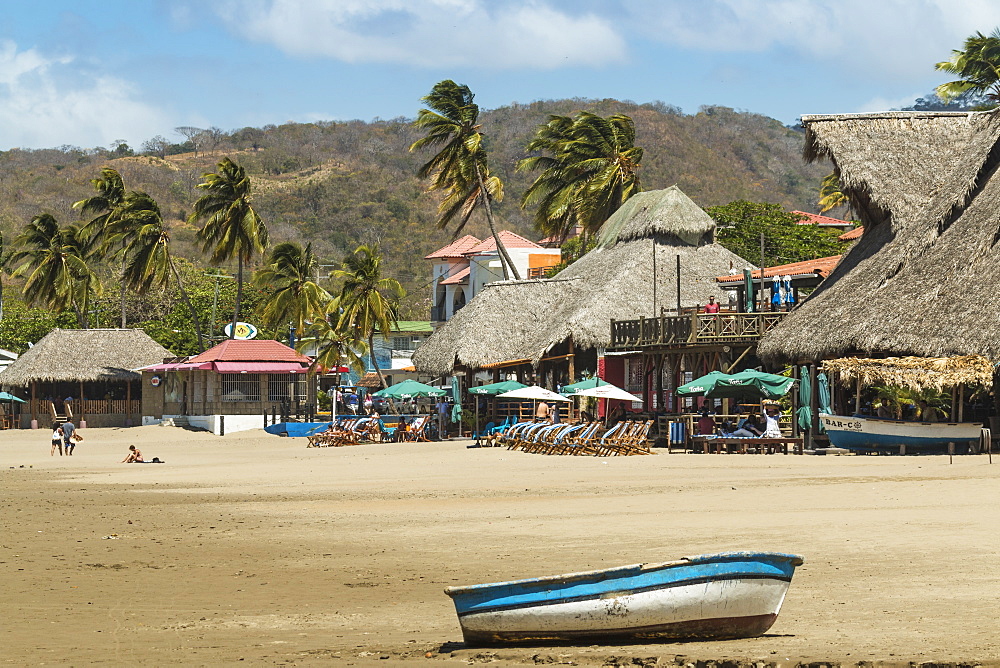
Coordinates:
(86, 73)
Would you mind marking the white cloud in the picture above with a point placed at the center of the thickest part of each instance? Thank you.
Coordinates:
(431, 33)
(867, 37)
(885, 104)
(49, 101)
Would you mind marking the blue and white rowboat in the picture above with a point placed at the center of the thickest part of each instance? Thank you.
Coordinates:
(715, 596)
(881, 435)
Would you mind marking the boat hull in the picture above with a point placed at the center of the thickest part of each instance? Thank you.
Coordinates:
(730, 595)
(878, 435)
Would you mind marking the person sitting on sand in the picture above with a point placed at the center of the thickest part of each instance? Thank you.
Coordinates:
(134, 456)
(57, 440)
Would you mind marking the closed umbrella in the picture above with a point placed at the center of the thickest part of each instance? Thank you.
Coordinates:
(805, 398)
(748, 288)
(823, 388)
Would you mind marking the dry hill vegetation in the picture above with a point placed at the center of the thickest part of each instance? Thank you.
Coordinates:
(339, 184)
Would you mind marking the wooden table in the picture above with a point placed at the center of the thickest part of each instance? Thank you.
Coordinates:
(763, 445)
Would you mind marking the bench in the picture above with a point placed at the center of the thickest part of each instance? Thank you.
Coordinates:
(763, 445)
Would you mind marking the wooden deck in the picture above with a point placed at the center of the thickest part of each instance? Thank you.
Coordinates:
(697, 328)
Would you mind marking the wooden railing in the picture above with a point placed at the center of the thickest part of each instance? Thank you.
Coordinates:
(694, 328)
(86, 407)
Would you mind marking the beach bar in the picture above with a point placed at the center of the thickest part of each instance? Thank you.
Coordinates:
(86, 375)
(230, 387)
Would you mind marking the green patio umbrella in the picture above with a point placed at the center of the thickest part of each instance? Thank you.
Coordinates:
(749, 383)
(805, 398)
(748, 301)
(494, 389)
(409, 389)
(7, 396)
(588, 384)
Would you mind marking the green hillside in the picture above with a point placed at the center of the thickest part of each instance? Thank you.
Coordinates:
(339, 184)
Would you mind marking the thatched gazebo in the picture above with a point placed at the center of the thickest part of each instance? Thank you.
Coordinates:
(94, 368)
(918, 281)
(564, 320)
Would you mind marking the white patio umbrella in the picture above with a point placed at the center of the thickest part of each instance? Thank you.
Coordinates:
(606, 392)
(533, 392)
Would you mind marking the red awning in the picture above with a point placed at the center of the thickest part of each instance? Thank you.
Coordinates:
(260, 367)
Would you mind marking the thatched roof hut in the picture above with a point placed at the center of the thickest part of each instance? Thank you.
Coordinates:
(922, 279)
(515, 320)
(84, 355)
(919, 373)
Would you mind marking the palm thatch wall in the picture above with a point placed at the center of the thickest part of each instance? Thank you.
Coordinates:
(527, 319)
(919, 373)
(87, 355)
(922, 279)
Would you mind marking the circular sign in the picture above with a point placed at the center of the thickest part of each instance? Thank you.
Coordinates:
(155, 381)
(244, 330)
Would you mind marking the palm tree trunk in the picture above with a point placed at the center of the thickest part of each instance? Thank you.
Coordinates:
(371, 352)
(239, 294)
(187, 300)
(123, 290)
(504, 257)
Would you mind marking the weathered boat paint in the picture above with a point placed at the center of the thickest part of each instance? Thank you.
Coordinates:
(727, 595)
(881, 435)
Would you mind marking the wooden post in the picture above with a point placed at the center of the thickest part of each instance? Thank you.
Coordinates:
(83, 409)
(857, 396)
(34, 423)
(961, 403)
(572, 360)
(951, 413)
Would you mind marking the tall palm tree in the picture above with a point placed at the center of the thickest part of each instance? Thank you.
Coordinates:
(592, 169)
(148, 261)
(368, 301)
(460, 167)
(232, 227)
(54, 261)
(107, 204)
(293, 295)
(977, 65)
(831, 194)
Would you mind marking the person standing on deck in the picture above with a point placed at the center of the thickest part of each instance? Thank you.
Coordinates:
(712, 306)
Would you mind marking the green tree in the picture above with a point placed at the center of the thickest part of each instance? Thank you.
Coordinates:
(148, 261)
(107, 228)
(54, 261)
(292, 294)
(742, 223)
(460, 167)
(232, 227)
(368, 301)
(589, 168)
(335, 342)
(977, 66)
(831, 195)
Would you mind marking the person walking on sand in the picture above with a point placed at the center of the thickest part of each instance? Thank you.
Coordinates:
(57, 440)
(134, 456)
(68, 428)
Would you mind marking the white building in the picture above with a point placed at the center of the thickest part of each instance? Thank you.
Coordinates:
(463, 267)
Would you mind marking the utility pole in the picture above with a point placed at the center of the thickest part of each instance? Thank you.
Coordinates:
(215, 302)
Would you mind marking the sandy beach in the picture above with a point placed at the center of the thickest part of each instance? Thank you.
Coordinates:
(254, 548)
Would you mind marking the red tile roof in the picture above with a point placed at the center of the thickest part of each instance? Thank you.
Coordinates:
(456, 248)
(852, 234)
(816, 219)
(234, 350)
(457, 278)
(507, 238)
(821, 265)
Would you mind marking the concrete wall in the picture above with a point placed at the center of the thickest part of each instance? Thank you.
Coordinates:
(214, 423)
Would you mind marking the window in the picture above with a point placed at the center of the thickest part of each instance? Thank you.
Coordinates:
(290, 387)
(404, 342)
(240, 387)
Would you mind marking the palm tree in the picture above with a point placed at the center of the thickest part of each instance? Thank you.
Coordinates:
(335, 343)
(292, 294)
(459, 168)
(148, 261)
(592, 170)
(107, 204)
(831, 194)
(368, 301)
(977, 65)
(54, 260)
(232, 227)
